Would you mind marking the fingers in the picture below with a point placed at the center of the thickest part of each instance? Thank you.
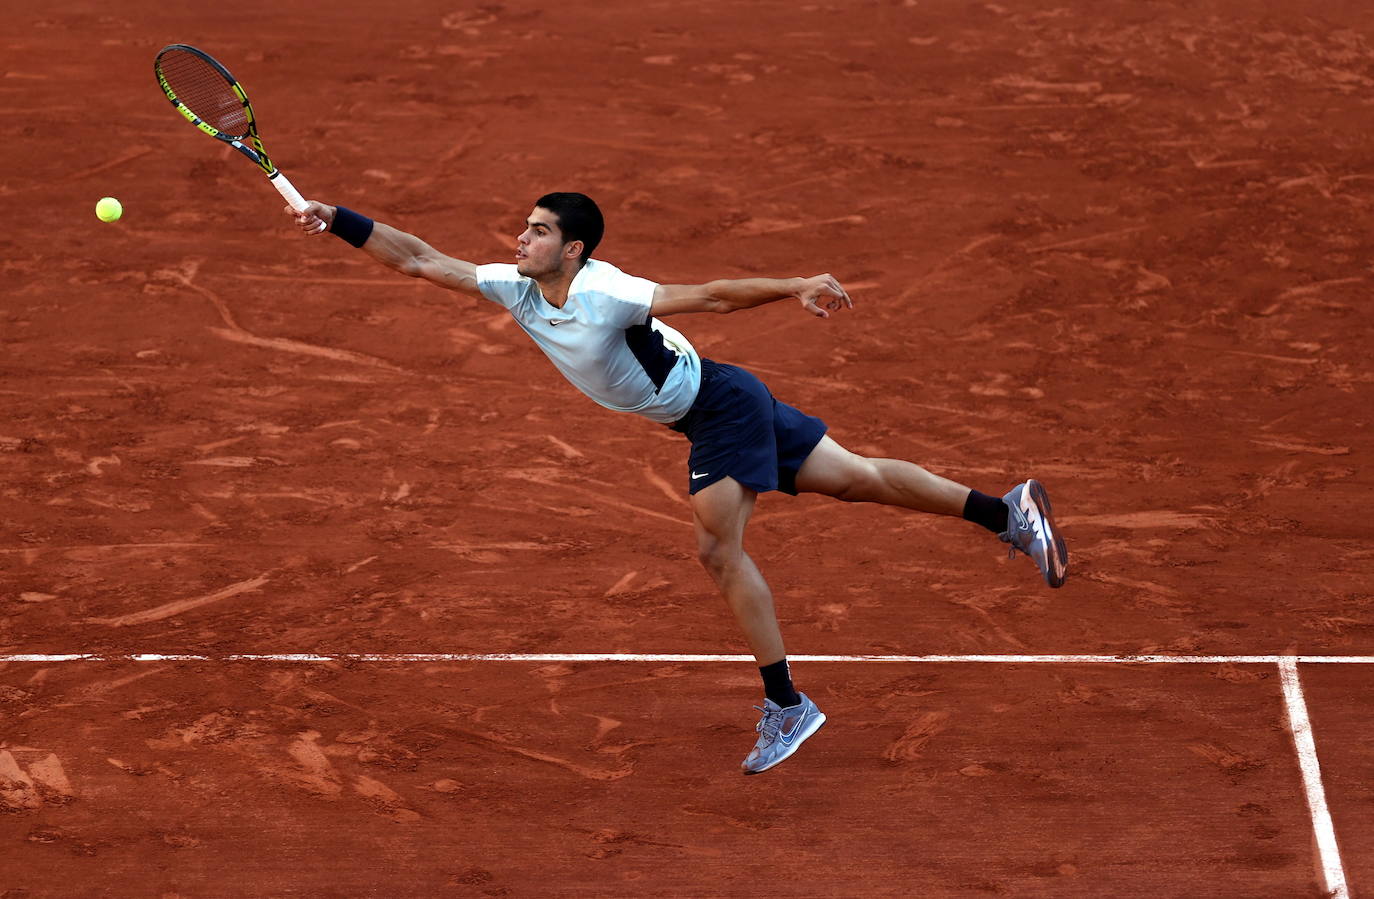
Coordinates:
(841, 295)
(308, 221)
(825, 286)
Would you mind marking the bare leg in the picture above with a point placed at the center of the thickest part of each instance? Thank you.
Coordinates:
(834, 471)
(1022, 518)
(720, 512)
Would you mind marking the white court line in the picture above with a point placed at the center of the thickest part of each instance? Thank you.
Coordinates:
(405, 657)
(1332, 872)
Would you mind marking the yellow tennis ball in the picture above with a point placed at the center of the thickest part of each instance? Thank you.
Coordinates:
(108, 209)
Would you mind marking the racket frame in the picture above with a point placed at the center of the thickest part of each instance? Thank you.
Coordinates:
(256, 153)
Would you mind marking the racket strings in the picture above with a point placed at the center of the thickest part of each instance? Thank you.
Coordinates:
(203, 90)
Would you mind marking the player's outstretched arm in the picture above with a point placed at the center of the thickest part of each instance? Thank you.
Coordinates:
(820, 295)
(396, 249)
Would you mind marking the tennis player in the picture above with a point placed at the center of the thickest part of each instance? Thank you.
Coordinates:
(604, 331)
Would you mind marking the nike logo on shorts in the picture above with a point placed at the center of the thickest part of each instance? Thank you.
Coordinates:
(697, 477)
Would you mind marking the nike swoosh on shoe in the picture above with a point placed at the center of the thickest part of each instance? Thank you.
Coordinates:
(787, 738)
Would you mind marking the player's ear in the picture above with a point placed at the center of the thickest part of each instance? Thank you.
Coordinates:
(573, 249)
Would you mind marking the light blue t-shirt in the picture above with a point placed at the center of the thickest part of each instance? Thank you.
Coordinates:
(603, 340)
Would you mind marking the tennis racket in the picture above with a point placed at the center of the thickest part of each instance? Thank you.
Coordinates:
(210, 98)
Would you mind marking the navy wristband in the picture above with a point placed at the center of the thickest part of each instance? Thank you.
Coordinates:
(351, 226)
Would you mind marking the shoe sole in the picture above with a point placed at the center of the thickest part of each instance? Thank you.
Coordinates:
(1056, 551)
(805, 735)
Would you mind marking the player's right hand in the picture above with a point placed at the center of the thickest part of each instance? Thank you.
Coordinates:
(316, 219)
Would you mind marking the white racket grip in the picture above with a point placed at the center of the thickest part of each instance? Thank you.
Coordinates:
(290, 194)
(288, 191)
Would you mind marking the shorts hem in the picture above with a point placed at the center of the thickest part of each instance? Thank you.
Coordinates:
(698, 486)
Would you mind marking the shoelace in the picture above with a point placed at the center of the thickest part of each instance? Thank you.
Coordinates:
(770, 723)
(1009, 536)
(1016, 525)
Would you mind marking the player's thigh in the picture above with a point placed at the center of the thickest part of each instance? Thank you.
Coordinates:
(720, 513)
(833, 470)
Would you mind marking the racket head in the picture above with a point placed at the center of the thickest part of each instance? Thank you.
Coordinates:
(209, 97)
(204, 91)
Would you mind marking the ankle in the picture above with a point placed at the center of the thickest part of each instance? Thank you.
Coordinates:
(777, 684)
(988, 511)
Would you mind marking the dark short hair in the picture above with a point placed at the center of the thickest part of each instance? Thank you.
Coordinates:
(578, 219)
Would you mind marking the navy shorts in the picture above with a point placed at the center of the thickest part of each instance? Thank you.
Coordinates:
(738, 430)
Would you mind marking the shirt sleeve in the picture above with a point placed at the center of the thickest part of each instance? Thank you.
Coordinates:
(627, 298)
(501, 283)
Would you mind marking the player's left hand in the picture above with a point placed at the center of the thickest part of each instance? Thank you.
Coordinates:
(822, 294)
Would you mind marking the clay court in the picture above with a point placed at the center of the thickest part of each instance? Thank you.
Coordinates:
(316, 581)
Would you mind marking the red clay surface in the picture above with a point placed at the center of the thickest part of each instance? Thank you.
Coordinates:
(487, 779)
(1122, 247)
(1341, 699)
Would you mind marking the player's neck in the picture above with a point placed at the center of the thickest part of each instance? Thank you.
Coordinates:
(555, 285)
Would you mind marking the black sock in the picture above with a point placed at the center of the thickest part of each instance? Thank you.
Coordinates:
(989, 511)
(777, 684)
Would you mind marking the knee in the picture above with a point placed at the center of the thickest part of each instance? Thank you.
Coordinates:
(716, 556)
(863, 482)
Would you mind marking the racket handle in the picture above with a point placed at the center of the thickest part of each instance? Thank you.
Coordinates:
(288, 191)
(290, 194)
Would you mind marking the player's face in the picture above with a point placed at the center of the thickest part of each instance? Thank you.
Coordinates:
(540, 250)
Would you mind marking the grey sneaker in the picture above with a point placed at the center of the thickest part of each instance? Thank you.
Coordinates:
(781, 733)
(1030, 528)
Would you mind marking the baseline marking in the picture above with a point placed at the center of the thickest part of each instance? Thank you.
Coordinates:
(404, 657)
(1332, 871)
